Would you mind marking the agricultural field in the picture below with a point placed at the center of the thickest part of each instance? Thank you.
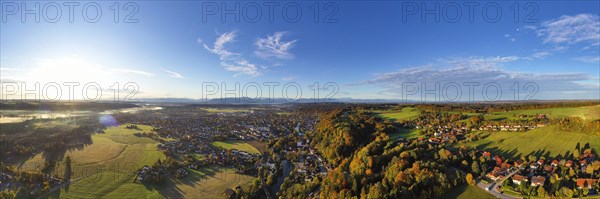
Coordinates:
(208, 182)
(107, 184)
(405, 113)
(585, 112)
(547, 141)
(239, 145)
(106, 167)
(467, 192)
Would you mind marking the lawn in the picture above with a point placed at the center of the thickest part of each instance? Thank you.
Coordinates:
(405, 113)
(467, 192)
(548, 141)
(585, 112)
(239, 145)
(407, 133)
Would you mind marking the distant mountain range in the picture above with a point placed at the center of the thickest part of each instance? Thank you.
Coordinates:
(245, 100)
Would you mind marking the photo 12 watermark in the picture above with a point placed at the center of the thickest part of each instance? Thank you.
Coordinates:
(68, 91)
(469, 11)
(69, 11)
(254, 92)
(450, 92)
(270, 11)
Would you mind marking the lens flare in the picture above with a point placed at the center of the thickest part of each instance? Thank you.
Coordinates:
(108, 120)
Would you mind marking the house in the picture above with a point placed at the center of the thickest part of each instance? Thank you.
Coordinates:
(540, 162)
(495, 176)
(554, 163)
(533, 166)
(486, 154)
(517, 179)
(569, 163)
(519, 163)
(434, 140)
(586, 183)
(498, 159)
(537, 180)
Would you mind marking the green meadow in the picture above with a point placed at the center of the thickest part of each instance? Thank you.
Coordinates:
(106, 169)
(407, 133)
(585, 112)
(403, 114)
(107, 166)
(547, 141)
(467, 192)
(208, 182)
(239, 145)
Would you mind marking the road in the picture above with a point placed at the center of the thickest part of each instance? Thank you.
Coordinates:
(494, 187)
(265, 188)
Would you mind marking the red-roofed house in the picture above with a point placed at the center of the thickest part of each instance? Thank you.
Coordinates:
(554, 162)
(540, 162)
(486, 154)
(537, 180)
(517, 179)
(569, 163)
(586, 182)
(519, 162)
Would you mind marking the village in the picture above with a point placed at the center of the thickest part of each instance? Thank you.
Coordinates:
(187, 137)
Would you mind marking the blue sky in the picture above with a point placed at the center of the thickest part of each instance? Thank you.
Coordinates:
(371, 50)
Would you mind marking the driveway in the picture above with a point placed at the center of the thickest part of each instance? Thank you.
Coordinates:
(493, 187)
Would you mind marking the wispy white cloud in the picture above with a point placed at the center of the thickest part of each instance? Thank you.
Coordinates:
(477, 61)
(219, 45)
(233, 62)
(538, 55)
(589, 59)
(569, 30)
(274, 47)
(136, 72)
(173, 74)
(241, 67)
(483, 70)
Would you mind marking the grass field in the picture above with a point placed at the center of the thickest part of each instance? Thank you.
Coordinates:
(106, 167)
(405, 113)
(239, 145)
(107, 184)
(586, 112)
(467, 192)
(547, 141)
(207, 183)
(406, 133)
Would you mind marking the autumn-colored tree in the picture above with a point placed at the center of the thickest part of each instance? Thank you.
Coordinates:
(470, 179)
(541, 192)
(475, 167)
